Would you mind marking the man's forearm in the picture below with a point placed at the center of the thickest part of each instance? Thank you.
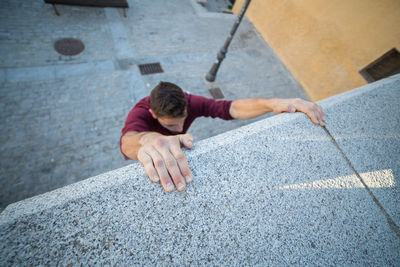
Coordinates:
(132, 141)
(249, 108)
(253, 107)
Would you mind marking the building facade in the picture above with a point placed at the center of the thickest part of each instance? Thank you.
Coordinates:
(328, 44)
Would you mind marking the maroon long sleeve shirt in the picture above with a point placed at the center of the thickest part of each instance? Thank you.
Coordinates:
(140, 119)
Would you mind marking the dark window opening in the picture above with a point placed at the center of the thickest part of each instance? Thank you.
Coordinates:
(385, 66)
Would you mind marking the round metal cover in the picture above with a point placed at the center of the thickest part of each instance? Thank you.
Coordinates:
(69, 46)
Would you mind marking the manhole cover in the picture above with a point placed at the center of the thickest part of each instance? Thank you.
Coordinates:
(69, 46)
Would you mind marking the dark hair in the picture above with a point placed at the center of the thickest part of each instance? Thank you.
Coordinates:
(168, 100)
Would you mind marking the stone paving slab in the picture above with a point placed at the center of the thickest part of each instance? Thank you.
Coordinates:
(60, 71)
(32, 27)
(186, 33)
(367, 128)
(276, 192)
(2, 76)
(122, 46)
(69, 133)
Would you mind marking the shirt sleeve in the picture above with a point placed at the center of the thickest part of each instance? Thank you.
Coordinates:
(207, 107)
(138, 120)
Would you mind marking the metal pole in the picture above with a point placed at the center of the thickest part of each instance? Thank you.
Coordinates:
(221, 55)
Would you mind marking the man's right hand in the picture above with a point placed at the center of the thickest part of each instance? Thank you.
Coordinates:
(165, 162)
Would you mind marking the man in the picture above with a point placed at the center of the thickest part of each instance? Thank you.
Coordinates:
(156, 127)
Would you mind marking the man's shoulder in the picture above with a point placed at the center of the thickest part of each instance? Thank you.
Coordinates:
(141, 109)
(144, 102)
(197, 99)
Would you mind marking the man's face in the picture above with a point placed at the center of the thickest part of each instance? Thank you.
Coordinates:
(172, 124)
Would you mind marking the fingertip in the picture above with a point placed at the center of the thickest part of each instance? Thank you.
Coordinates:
(189, 144)
(181, 187)
(189, 137)
(169, 187)
(188, 179)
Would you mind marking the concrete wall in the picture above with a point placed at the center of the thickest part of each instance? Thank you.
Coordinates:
(278, 192)
(326, 43)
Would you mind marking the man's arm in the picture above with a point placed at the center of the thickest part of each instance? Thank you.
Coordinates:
(161, 156)
(132, 141)
(249, 108)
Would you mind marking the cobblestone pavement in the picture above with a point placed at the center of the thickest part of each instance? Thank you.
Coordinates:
(61, 116)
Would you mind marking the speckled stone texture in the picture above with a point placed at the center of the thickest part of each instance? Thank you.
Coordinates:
(366, 126)
(275, 192)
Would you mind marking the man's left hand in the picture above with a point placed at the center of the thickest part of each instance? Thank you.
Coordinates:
(292, 105)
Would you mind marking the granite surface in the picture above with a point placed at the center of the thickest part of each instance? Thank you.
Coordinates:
(275, 192)
(366, 125)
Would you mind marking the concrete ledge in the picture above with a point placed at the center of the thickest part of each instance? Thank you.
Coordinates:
(366, 125)
(276, 192)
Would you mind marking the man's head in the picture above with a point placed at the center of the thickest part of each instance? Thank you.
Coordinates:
(168, 105)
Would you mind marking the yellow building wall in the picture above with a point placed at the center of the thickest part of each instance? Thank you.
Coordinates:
(325, 43)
